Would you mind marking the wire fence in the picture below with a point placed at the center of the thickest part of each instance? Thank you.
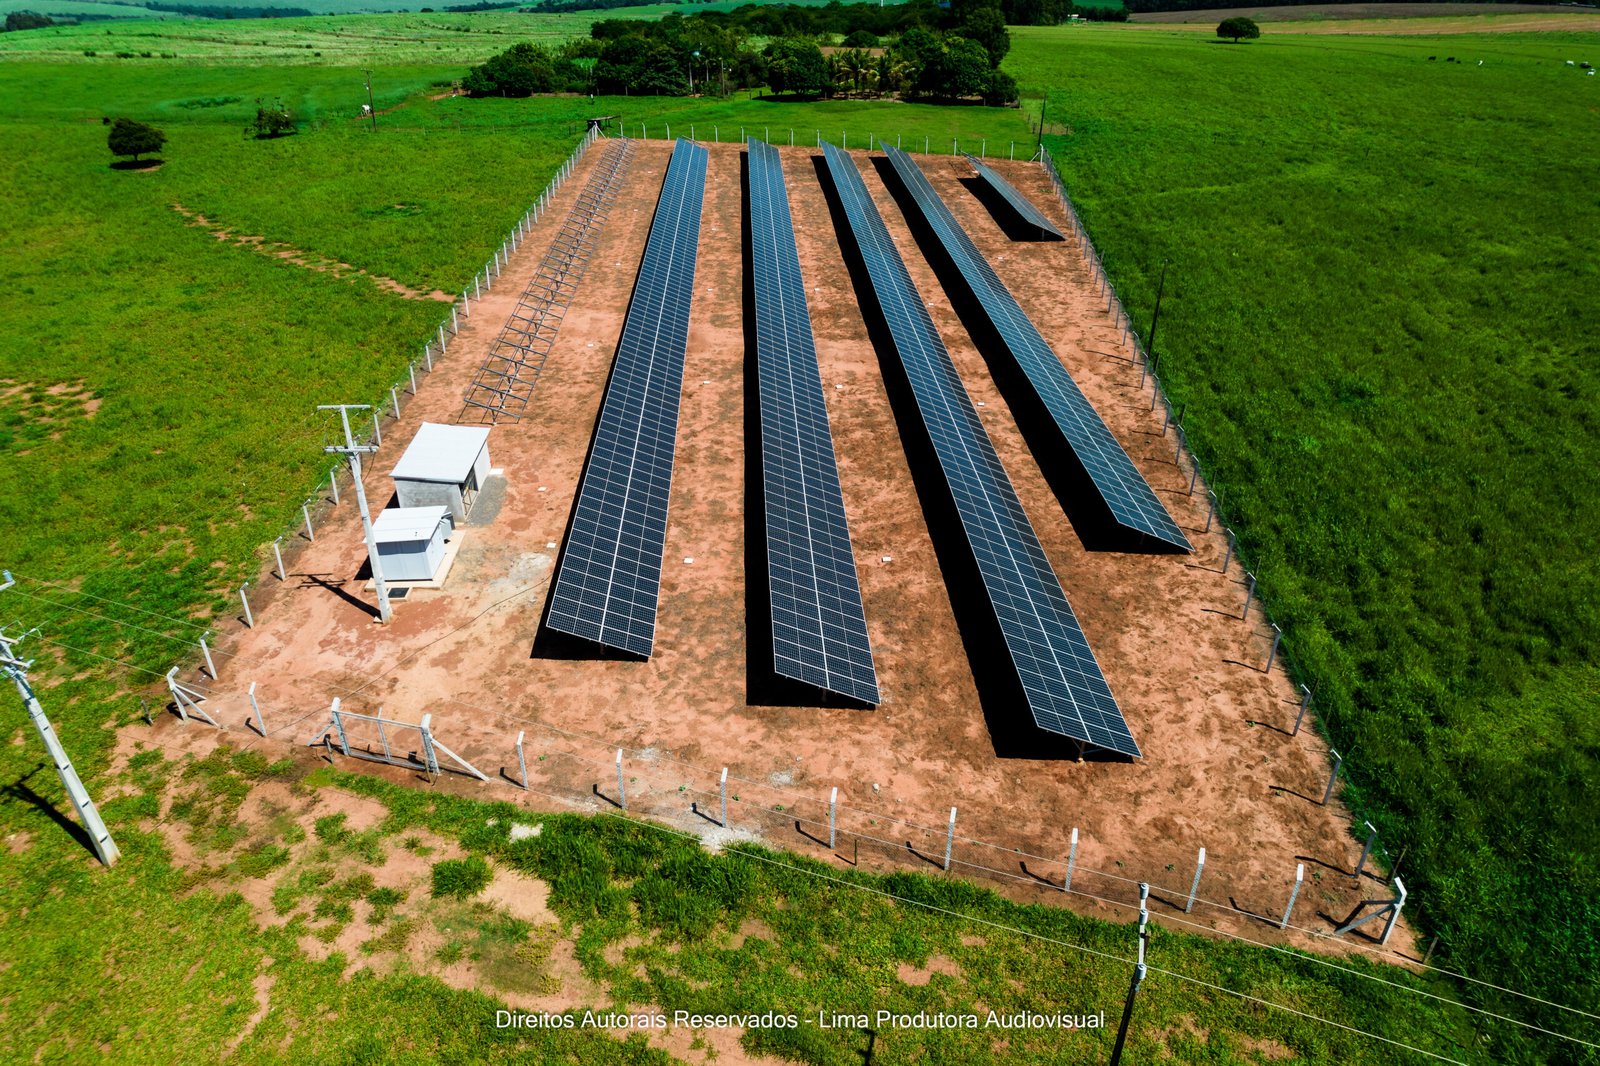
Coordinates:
(1279, 650)
(797, 137)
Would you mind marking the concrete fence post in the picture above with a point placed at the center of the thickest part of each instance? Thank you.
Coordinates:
(394, 397)
(1228, 557)
(333, 485)
(305, 511)
(833, 818)
(1277, 638)
(1366, 851)
(244, 598)
(277, 553)
(723, 786)
(205, 650)
(1333, 777)
(1305, 702)
(950, 839)
(411, 372)
(522, 762)
(426, 729)
(377, 429)
(622, 791)
(255, 708)
(1194, 889)
(1072, 860)
(1249, 594)
(1294, 893)
(338, 727)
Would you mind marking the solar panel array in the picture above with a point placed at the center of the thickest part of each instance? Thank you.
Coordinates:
(819, 627)
(1064, 687)
(1131, 501)
(610, 578)
(1018, 202)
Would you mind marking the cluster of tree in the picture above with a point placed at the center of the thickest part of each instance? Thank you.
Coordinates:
(27, 20)
(1055, 12)
(128, 137)
(217, 11)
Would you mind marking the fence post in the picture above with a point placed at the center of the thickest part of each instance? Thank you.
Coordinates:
(411, 371)
(1333, 777)
(950, 839)
(426, 729)
(723, 784)
(211, 668)
(338, 727)
(1249, 594)
(249, 619)
(261, 726)
(622, 792)
(1299, 876)
(1305, 701)
(833, 818)
(305, 510)
(277, 553)
(1228, 558)
(1199, 868)
(394, 396)
(1277, 638)
(522, 762)
(1366, 850)
(1072, 860)
(333, 484)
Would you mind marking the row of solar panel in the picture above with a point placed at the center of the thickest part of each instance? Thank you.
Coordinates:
(608, 586)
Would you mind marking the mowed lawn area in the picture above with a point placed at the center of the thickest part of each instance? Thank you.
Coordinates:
(1380, 316)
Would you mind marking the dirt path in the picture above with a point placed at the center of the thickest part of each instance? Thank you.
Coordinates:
(309, 260)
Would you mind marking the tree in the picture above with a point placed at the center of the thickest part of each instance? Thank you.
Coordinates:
(988, 28)
(1238, 28)
(521, 70)
(860, 39)
(796, 66)
(1001, 90)
(128, 137)
(27, 20)
(961, 69)
(273, 121)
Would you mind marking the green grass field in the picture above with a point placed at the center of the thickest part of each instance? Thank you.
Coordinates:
(1376, 316)
(1380, 316)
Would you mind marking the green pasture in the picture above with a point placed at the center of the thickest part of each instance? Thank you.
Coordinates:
(1380, 319)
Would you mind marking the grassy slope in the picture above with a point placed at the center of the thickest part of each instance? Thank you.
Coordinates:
(1380, 314)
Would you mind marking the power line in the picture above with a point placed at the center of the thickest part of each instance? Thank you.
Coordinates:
(102, 599)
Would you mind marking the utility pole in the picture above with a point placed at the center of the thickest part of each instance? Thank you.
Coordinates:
(1138, 974)
(17, 670)
(372, 109)
(1043, 104)
(353, 452)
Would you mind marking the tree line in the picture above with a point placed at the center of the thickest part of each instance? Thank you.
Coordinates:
(917, 51)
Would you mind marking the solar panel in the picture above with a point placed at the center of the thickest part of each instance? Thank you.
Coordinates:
(1064, 687)
(610, 578)
(1123, 490)
(819, 627)
(1018, 202)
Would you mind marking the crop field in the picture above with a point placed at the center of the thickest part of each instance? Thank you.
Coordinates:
(1376, 318)
(1378, 315)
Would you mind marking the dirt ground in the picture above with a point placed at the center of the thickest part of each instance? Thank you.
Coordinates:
(1220, 769)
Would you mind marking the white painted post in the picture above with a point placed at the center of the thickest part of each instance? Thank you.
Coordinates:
(277, 553)
(1277, 638)
(1072, 860)
(377, 429)
(1333, 778)
(1013, 151)
(1294, 893)
(249, 619)
(844, 140)
(1228, 558)
(669, 135)
(1211, 509)
(724, 787)
(983, 148)
(427, 357)
(833, 817)
(925, 146)
(426, 729)
(1249, 593)
(1305, 701)
(338, 727)
(1394, 915)
(950, 839)
(691, 131)
(394, 396)
(522, 762)
(333, 484)
(1199, 868)
(211, 667)
(261, 726)
(411, 369)
(1194, 476)
(441, 337)
(622, 792)
(466, 308)
(716, 134)
(305, 511)
(1366, 851)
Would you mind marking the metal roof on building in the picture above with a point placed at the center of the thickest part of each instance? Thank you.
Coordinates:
(441, 453)
(399, 524)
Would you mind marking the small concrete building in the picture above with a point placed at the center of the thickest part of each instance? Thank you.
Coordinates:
(411, 541)
(443, 466)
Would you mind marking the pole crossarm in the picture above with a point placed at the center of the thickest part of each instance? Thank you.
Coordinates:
(353, 453)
